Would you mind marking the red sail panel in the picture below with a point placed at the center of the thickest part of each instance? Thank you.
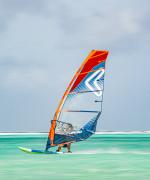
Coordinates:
(91, 62)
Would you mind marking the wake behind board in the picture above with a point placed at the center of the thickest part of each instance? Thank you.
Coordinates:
(35, 151)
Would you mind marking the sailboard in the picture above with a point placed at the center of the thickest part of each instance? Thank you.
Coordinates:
(35, 151)
(80, 108)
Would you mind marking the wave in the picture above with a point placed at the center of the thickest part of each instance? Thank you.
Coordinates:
(110, 151)
(103, 132)
(123, 132)
(26, 133)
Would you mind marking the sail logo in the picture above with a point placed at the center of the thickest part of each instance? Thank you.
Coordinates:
(93, 79)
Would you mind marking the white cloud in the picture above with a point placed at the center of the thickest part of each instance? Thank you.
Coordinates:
(43, 42)
(26, 79)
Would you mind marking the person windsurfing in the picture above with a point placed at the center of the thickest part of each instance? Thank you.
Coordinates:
(76, 116)
(68, 129)
(79, 109)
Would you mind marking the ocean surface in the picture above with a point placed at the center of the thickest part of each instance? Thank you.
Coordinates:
(103, 156)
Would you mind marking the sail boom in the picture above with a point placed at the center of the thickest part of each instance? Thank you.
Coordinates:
(78, 92)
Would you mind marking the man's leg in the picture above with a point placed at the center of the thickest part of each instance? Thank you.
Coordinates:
(59, 149)
(69, 147)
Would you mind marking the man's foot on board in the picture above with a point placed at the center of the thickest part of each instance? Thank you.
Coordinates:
(58, 150)
(69, 152)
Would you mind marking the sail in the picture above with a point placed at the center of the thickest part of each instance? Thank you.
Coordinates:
(81, 105)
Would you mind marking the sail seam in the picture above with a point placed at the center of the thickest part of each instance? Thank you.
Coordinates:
(86, 111)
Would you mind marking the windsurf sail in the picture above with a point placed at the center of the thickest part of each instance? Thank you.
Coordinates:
(81, 105)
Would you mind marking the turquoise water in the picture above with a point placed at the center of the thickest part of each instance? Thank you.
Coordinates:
(114, 157)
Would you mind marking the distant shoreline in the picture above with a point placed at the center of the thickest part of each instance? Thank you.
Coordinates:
(102, 132)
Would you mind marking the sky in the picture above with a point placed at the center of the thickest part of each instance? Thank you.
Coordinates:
(42, 44)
